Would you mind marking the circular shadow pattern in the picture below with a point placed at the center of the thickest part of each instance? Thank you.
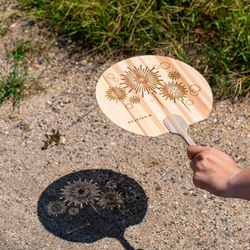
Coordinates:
(89, 205)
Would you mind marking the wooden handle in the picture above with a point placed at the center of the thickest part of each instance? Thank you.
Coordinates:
(176, 124)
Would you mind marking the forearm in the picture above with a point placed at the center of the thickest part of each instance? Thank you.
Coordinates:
(239, 185)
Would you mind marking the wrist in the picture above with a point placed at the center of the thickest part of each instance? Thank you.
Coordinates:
(231, 191)
(238, 185)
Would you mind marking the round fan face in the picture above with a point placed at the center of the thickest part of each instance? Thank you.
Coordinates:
(139, 92)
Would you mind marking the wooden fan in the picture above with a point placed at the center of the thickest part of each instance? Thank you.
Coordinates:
(152, 95)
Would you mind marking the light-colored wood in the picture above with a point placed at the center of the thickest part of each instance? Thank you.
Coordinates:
(177, 125)
(138, 93)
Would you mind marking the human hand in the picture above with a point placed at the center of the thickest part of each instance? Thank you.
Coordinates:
(213, 170)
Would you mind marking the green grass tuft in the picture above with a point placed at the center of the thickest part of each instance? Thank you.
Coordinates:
(19, 52)
(212, 36)
(14, 83)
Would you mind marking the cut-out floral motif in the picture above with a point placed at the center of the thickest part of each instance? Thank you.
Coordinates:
(174, 75)
(116, 94)
(80, 192)
(134, 99)
(140, 80)
(174, 91)
(56, 208)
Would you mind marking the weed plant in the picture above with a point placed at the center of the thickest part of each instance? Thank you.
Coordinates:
(18, 82)
(13, 85)
(18, 54)
(213, 36)
(55, 137)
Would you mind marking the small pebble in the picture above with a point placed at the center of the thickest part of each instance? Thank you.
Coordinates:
(24, 24)
(62, 140)
(15, 117)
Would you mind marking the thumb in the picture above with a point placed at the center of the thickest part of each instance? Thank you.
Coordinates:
(193, 150)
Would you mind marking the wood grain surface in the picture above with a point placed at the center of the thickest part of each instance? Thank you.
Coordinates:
(138, 93)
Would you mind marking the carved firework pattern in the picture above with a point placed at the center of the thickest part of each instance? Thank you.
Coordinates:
(136, 82)
(174, 91)
(116, 94)
(140, 80)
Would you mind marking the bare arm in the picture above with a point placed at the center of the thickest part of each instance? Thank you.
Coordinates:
(217, 173)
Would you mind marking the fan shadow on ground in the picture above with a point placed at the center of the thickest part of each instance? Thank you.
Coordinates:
(89, 205)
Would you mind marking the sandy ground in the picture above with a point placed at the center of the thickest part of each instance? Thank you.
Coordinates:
(140, 190)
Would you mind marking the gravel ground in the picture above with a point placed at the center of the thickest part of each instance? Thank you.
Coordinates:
(140, 190)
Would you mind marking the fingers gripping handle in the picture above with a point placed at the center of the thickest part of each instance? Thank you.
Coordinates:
(178, 125)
